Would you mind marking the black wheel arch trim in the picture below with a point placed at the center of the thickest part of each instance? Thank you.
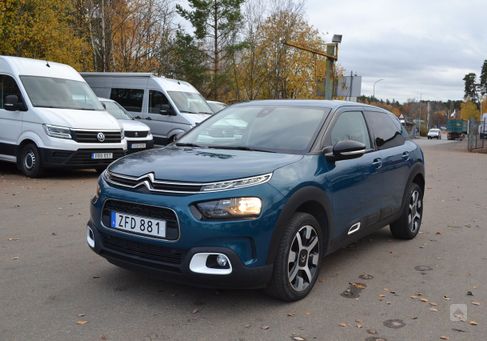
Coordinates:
(416, 169)
(304, 195)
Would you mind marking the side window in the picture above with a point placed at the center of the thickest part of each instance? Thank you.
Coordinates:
(387, 132)
(130, 99)
(8, 87)
(350, 125)
(156, 99)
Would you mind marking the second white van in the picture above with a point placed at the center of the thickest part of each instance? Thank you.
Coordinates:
(49, 117)
(170, 107)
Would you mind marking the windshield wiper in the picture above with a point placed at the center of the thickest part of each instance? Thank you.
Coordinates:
(242, 148)
(181, 144)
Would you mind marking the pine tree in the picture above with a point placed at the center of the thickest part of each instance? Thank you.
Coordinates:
(216, 22)
(470, 87)
(483, 79)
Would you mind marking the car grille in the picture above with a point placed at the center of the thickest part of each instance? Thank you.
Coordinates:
(172, 225)
(136, 133)
(168, 256)
(85, 136)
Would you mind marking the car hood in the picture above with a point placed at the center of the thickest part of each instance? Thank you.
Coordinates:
(200, 164)
(79, 119)
(132, 125)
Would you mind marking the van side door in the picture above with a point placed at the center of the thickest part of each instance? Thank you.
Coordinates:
(10, 121)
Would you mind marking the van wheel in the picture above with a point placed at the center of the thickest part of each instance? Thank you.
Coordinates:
(30, 162)
(297, 263)
(407, 226)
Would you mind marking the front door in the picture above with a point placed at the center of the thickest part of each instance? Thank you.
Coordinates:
(352, 183)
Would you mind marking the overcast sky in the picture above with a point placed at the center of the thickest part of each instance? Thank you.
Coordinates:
(416, 46)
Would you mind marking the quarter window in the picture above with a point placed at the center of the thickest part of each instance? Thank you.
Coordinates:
(130, 99)
(156, 100)
(350, 125)
(8, 87)
(387, 133)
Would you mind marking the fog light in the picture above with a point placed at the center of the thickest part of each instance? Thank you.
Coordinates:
(222, 261)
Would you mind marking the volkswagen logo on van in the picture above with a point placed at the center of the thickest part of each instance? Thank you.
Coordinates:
(100, 137)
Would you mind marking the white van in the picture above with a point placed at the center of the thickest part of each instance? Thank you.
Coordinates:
(49, 117)
(169, 107)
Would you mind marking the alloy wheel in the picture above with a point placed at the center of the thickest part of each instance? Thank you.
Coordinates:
(304, 255)
(415, 211)
(30, 160)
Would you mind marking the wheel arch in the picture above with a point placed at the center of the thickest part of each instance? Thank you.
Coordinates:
(311, 200)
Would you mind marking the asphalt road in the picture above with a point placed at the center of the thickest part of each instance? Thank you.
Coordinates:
(52, 287)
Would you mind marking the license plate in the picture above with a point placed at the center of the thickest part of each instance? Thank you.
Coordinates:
(138, 145)
(101, 156)
(139, 225)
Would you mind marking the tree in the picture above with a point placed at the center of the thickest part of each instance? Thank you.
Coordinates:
(483, 79)
(215, 22)
(469, 110)
(188, 61)
(470, 87)
(42, 29)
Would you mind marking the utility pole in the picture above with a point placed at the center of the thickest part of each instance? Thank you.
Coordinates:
(331, 56)
(373, 91)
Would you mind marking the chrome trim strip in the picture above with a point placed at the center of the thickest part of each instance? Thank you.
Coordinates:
(140, 181)
(354, 228)
(353, 152)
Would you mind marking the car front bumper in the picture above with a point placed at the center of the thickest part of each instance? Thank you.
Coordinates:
(80, 158)
(245, 242)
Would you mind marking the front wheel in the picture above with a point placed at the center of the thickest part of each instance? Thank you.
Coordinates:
(298, 259)
(408, 224)
(30, 162)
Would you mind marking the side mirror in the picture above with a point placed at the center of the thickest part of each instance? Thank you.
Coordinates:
(166, 109)
(345, 150)
(12, 103)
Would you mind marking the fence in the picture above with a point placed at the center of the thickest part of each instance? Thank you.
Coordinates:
(477, 136)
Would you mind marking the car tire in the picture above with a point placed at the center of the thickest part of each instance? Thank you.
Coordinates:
(409, 223)
(298, 259)
(30, 162)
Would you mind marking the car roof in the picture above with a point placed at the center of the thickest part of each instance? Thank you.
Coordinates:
(317, 103)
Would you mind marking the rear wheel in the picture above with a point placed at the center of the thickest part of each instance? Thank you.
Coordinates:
(297, 263)
(30, 162)
(408, 225)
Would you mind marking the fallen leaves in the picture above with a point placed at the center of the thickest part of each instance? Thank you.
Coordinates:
(475, 303)
(12, 239)
(265, 327)
(81, 322)
(298, 338)
(195, 311)
(472, 323)
(343, 324)
(444, 338)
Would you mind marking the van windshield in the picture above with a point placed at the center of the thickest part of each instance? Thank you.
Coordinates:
(116, 110)
(47, 92)
(190, 102)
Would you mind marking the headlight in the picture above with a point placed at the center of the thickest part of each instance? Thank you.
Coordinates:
(231, 208)
(239, 183)
(59, 132)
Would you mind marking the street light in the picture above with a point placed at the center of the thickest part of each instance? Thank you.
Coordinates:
(377, 81)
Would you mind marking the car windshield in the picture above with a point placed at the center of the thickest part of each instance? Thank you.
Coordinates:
(216, 106)
(287, 129)
(60, 93)
(116, 110)
(190, 102)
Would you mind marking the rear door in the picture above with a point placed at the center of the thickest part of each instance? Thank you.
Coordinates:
(10, 121)
(388, 139)
(352, 183)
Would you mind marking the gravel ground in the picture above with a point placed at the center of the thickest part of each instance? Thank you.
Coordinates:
(52, 287)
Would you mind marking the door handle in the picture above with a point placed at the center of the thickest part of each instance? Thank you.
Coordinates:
(149, 119)
(377, 163)
(405, 155)
(137, 117)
